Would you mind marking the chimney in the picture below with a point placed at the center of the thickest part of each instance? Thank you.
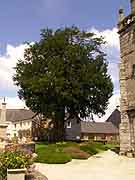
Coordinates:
(3, 112)
(132, 6)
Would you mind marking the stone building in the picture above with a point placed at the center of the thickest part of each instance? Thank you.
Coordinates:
(115, 118)
(22, 124)
(78, 129)
(126, 27)
(15, 123)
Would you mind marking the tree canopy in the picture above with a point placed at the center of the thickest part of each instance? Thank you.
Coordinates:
(66, 70)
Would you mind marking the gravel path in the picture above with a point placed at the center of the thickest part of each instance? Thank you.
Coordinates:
(104, 166)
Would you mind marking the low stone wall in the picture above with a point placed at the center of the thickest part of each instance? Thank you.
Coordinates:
(16, 174)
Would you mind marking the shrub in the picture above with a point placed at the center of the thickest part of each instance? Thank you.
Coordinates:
(89, 148)
(55, 158)
(14, 160)
(52, 154)
(64, 152)
(76, 153)
(95, 148)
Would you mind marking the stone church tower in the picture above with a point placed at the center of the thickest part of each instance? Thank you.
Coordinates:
(126, 28)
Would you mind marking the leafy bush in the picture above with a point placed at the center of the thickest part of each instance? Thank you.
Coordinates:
(76, 153)
(14, 160)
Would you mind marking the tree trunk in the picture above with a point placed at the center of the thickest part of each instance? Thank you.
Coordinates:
(58, 126)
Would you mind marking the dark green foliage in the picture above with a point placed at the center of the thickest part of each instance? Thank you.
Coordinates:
(65, 70)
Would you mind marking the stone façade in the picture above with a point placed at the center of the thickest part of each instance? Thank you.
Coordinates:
(126, 27)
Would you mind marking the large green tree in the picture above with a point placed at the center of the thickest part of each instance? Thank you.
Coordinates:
(65, 71)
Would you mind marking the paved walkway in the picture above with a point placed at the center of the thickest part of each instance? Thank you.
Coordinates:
(104, 166)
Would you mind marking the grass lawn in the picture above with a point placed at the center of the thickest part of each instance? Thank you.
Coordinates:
(64, 152)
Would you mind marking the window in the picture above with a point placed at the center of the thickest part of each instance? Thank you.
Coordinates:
(85, 137)
(21, 124)
(95, 138)
(69, 124)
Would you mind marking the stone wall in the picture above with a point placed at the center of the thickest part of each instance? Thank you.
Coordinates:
(127, 83)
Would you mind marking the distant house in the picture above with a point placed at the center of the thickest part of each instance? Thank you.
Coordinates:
(23, 124)
(115, 118)
(19, 123)
(82, 130)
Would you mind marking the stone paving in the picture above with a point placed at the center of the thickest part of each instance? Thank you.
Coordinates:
(36, 176)
(104, 166)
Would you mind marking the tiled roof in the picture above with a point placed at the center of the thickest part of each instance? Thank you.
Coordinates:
(98, 128)
(115, 118)
(18, 114)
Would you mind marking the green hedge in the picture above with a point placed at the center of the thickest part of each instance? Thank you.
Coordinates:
(95, 148)
(51, 154)
(64, 152)
(89, 149)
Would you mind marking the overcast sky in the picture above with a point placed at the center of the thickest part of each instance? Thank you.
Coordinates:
(21, 21)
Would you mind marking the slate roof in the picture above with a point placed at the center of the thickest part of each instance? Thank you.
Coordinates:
(98, 128)
(14, 115)
(115, 118)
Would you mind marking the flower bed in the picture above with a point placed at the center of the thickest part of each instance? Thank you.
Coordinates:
(26, 147)
(14, 159)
